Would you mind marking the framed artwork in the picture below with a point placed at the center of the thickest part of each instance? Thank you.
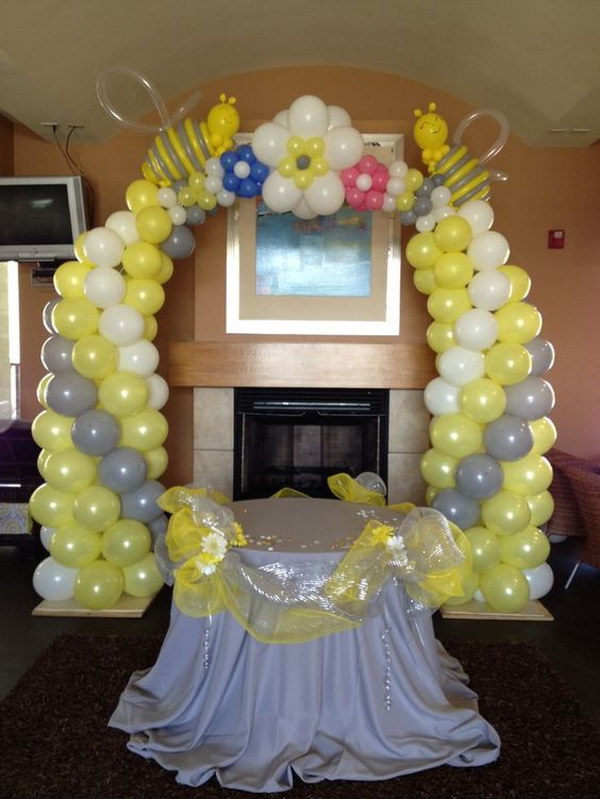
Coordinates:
(332, 275)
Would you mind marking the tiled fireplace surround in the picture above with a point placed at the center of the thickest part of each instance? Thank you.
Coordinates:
(408, 439)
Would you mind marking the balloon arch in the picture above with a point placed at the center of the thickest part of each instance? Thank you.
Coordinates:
(101, 432)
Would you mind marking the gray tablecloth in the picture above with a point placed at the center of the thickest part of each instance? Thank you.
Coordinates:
(367, 704)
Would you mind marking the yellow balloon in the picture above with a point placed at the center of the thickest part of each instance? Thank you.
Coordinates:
(453, 234)
(544, 434)
(52, 431)
(95, 357)
(421, 251)
(123, 393)
(529, 475)
(51, 507)
(125, 542)
(507, 363)
(42, 388)
(70, 470)
(485, 547)
(446, 305)
(80, 249)
(41, 460)
(142, 259)
(166, 268)
(74, 546)
(157, 461)
(424, 280)
(69, 279)
(144, 431)
(438, 469)
(75, 318)
(413, 179)
(482, 400)
(146, 295)
(150, 328)
(453, 270)
(455, 434)
(143, 578)
(541, 506)
(526, 549)
(430, 494)
(520, 282)
(440, 337)
(99, 585)
(141, 194)
(505, 513)
(470, 584)
(96, 508)
(153, 223)
(518, 322)
(504, 587)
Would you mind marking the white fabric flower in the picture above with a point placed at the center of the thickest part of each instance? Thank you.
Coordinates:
(214, 544)
(304, 146)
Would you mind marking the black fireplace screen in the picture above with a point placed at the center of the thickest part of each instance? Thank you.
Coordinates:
(298, 437)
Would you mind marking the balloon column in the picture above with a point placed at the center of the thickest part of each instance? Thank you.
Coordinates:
(101, 430)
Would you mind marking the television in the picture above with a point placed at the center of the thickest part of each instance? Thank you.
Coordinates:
(41, 217)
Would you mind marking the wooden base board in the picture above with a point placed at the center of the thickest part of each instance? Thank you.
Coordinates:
(128, 607)
(533, 611)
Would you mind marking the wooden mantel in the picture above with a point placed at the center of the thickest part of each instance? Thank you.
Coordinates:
(283, 364)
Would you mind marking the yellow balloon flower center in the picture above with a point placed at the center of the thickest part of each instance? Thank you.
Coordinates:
(304, 160)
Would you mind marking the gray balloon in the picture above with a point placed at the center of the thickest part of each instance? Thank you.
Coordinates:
(542, 355)
(96, 432)
(407, 218)
(479, 476)
(158, 527)
(71, 394)
(194, 215)
(456, 507)
(124, 469)
(508, 438)
(57, 353)
(437, 179)
(180, 244)
(532, 398)
(425, 188)
(47, 315)
(422, 206)
(141, 503)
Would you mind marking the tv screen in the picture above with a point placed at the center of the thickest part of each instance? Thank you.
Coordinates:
(40, 218)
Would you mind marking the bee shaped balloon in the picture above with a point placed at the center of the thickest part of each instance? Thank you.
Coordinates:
(430, 133)
(466, 175)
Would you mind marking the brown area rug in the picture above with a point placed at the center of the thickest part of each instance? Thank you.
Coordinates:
(54, 741)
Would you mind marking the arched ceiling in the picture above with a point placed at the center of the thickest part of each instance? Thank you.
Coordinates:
(538, 61)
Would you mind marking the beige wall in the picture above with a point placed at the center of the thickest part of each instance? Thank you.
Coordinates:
(548, 188)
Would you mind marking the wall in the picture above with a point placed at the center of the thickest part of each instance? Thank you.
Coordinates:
(548, 188)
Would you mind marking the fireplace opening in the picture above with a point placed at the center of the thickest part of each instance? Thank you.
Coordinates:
(297, 438)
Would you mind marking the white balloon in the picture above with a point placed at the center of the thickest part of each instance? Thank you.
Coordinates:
(398, 169)
(104, 286)
(479, 214)
(241, 170)
(103, 246)
(489, 290)
(269, 143)
(364, 182)
(123, 224)
(440, 196)
(476, 329)
(325, 195)
(442, 212)
(46, 534)
(488, 250)
(166, 197)
(343, 147)
(302, 211)
(121, 324)
(308, 116)
(213, 167)
(141, 358)
(226, 198)
(213, 183)
(459, 366)
(158, 391)
(425, 223)
(441, 397)
(478, 596)
(53, 581)
(178, 214)
(338, 117)
(280, 194)
(282, 118)
(389, 204)
(395, 186)
(540, 579)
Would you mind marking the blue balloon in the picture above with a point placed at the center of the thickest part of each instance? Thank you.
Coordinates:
(248, 188)
(231, 182)
(246, 153)
(259, 172)
(229, 160)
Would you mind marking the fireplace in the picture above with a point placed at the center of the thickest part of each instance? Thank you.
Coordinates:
(298, 437)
